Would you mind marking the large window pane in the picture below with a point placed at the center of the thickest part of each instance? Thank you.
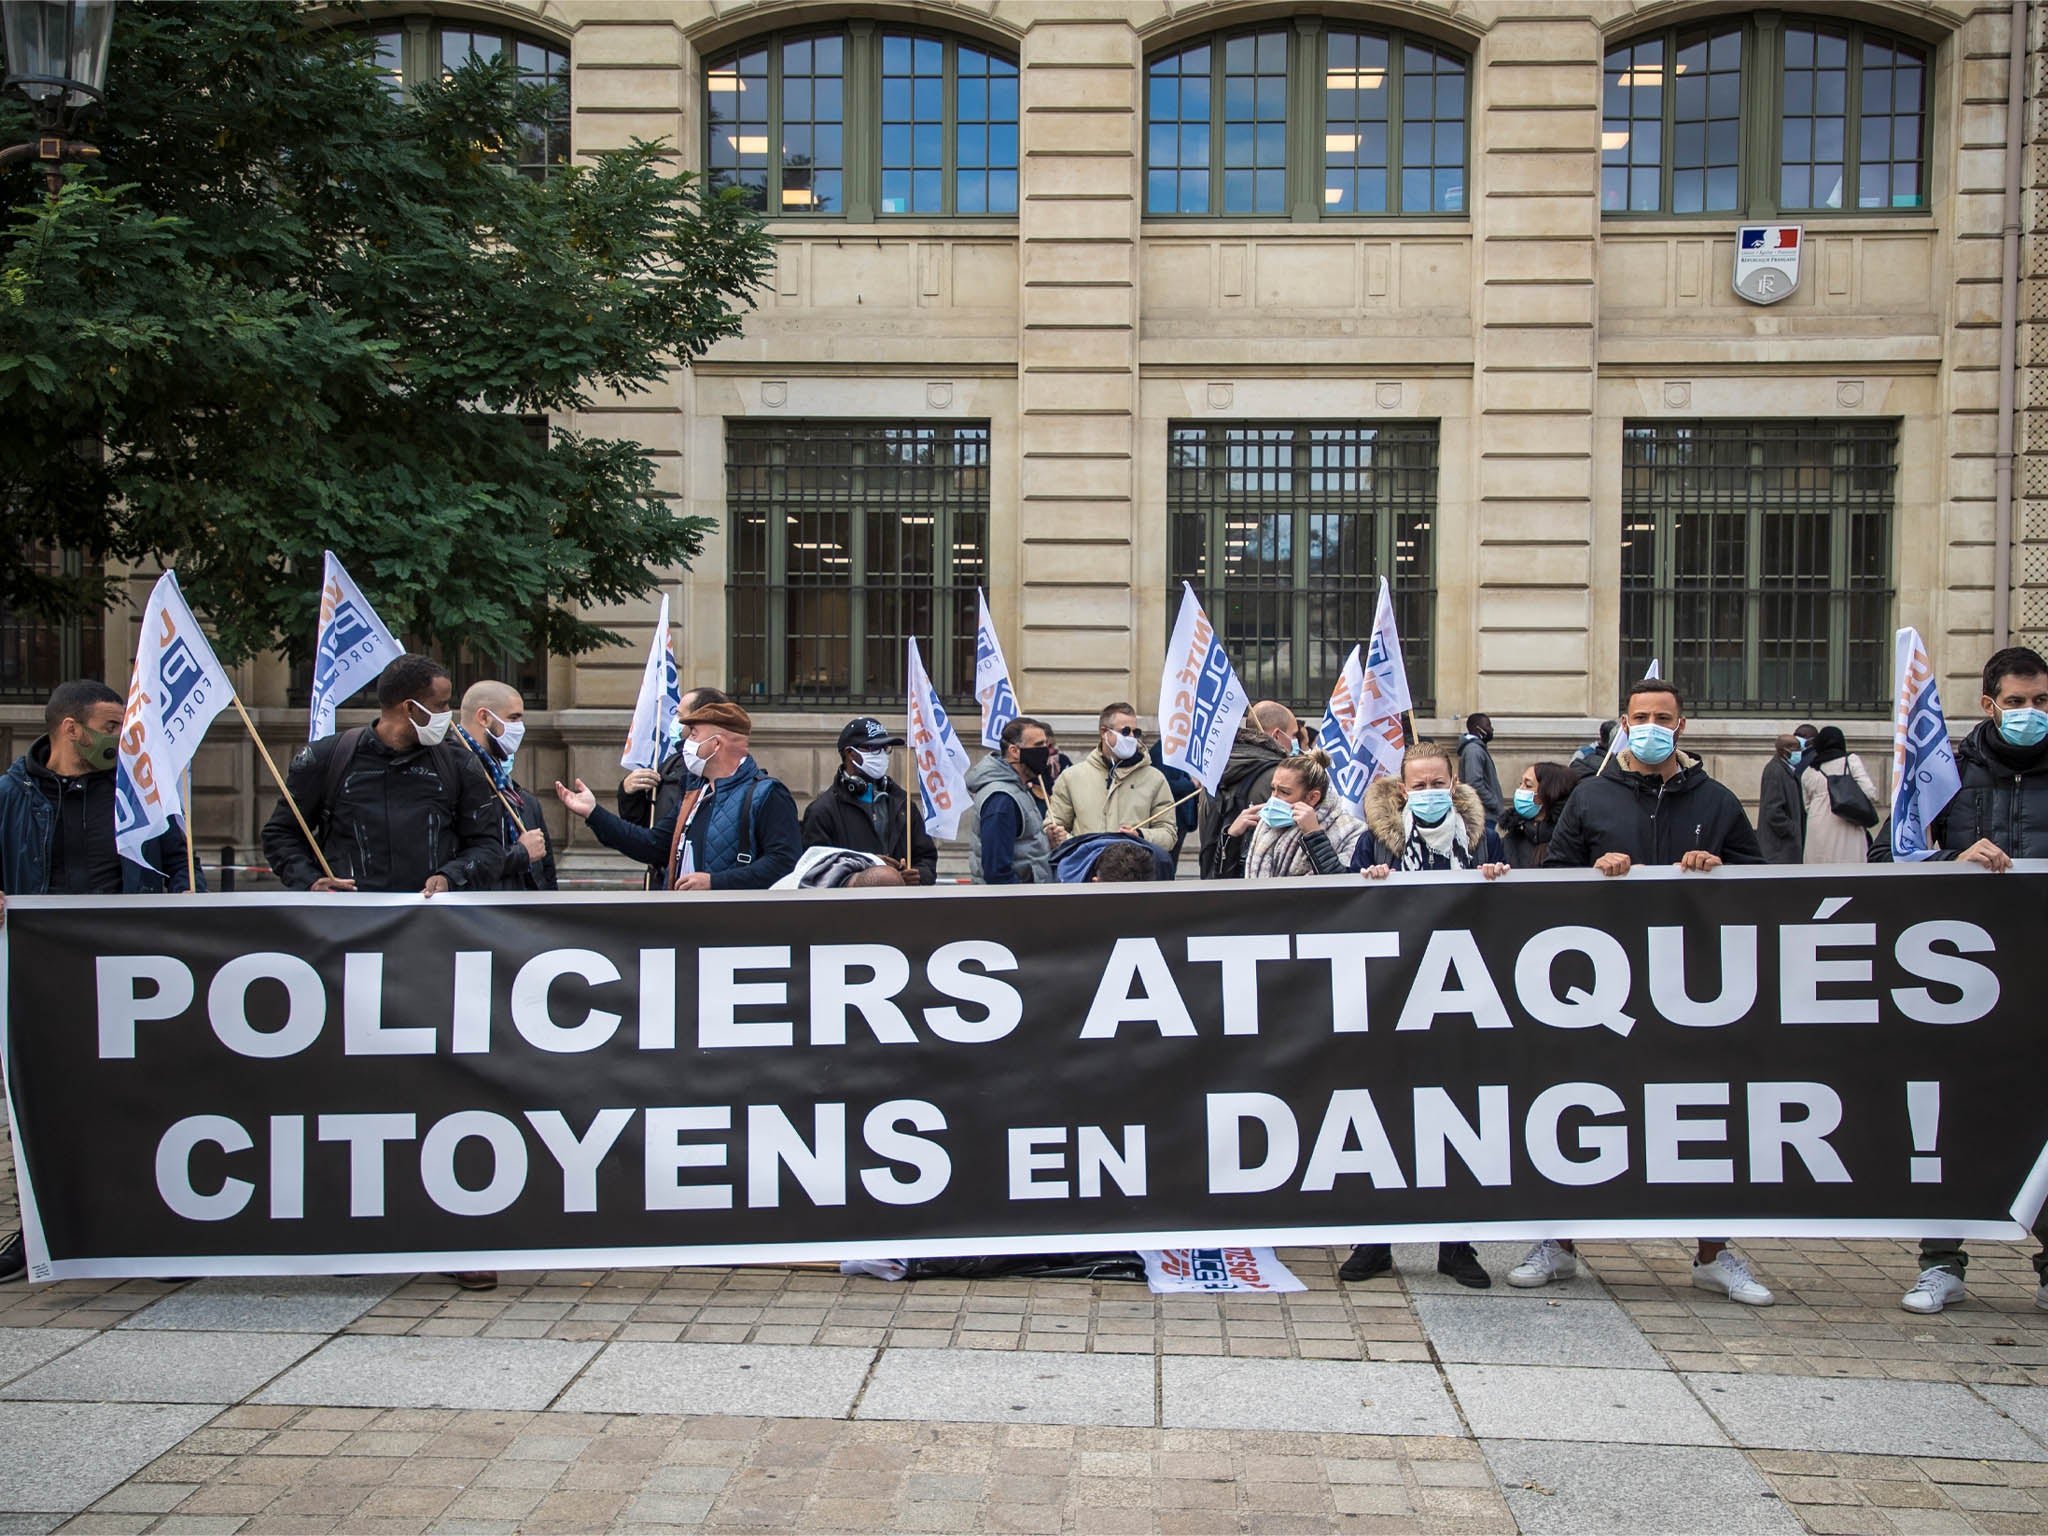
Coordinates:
(847, 539)
(1632, 128)
(1177, 132)
(1285, 529)
(1705, 123)
(737, 93)
(543, 142)
(37, 654)
(1356, 90)
(1255, 124)
(1756, 561)
(985, 168)
(812, 158)
(1432, 131)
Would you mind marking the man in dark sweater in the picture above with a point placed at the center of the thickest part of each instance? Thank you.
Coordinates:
(862, 810)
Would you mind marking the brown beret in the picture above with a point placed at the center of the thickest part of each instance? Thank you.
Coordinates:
(726, 717)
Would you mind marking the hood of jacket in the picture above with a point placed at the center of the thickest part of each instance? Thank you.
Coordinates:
(1386, 813)
(1250, 755)
(32, 768)
(1691, 774)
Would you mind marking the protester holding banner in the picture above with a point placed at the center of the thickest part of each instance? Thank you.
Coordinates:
(396, 805)
(1653, 804)
(647, 795)
(1114, 788)
(1475, 765)
(737, 832)
(1840, 802)
(1301, 830)
(1426, 821)
(1998, 813)
(493, 725)
(862, 810)
(1266, 738)
(1526, 825)
(1005, 830)
(1781, 801)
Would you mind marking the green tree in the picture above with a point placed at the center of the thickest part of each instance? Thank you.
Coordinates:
(288, 312)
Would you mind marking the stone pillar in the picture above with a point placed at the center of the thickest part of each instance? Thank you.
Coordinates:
(1543, 627)
(1081, 87)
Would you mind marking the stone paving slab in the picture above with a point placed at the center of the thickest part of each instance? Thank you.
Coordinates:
(23, 1349)
(63, 1456)
(1327, 1396)
(1885, 1418)
(267, 1304)
(1535, 1329)
(770, 1380)
(1022, 1387)
(1528, 1402)
(369, 1372)
(1582, 1489)
(118, 1367)
(2027, 1406)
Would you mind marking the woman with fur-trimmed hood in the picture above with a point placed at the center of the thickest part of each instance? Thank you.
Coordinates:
(1427, 821)
(1300, 829)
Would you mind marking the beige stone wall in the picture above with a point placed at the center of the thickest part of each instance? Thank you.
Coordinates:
(1529, 329)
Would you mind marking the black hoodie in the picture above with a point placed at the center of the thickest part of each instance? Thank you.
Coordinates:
(1247, 780)
(2004, 796)
(1653, 820)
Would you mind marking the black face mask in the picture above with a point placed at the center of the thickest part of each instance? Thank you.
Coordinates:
(1034, 759)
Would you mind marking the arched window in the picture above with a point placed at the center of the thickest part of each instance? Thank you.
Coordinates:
(1764, 115)
(420, 48)
(1304, 120)
(864, 122)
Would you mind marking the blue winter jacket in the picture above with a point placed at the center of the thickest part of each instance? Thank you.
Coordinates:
(28, 831)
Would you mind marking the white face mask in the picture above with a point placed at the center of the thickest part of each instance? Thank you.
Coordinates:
(508, 736)
(695, 758)
(873, 765)
(436, 728)
(1124, 748)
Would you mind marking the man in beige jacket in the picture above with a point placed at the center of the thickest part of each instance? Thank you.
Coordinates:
(1114, 789)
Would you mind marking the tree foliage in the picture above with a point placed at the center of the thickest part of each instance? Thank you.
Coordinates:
(288, 312)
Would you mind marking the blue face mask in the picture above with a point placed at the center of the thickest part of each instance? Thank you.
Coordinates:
(1294, 748)
(1277, 814)
(1429, 806)
(2023, 727)
(675, 734)
(1525, 804)
(1795, 757)
(1651, 744)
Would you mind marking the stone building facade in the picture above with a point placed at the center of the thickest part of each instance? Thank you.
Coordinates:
(1440, 291)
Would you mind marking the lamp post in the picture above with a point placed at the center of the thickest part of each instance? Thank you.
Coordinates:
(57, 62)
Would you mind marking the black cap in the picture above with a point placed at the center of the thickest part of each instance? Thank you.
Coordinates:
(867, 733)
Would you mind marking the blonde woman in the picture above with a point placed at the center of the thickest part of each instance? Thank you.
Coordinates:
(1301, 829)
(1427, 821)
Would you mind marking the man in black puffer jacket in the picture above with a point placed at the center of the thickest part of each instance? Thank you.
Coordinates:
(2000, 813)
(862, 810)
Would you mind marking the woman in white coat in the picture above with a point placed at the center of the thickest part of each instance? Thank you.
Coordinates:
(1830, 838)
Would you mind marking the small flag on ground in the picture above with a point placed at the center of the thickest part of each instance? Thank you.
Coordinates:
(350, 647)
(1924, 775)
(991, 679)
(660, 698)
(935, 750)
(1201, 702)
(1382, 733)
(1339, 735)
(178, 686)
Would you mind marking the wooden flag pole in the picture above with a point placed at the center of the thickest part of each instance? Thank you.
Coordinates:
(270, 763)
(908, 865)
(191, 859)
(1183, 800)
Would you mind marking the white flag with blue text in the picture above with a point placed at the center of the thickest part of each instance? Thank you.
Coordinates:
(1924, 775)
(1382, 727)
(935, 753)
(350, 647)
(1340, 733)
(992, 679)
(1201, 702)
(660, 697)
(176, 689)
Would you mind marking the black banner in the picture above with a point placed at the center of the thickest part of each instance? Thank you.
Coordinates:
(304, 1084)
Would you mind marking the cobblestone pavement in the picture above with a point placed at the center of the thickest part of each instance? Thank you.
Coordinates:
(801, 1400)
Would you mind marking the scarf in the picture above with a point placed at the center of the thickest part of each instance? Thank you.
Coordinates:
(1437, 847)
(1277, 853)
(501, 780)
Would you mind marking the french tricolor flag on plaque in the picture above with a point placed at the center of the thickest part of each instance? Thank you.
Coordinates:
(1767, 261)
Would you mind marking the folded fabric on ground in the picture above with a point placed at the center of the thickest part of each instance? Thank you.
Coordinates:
(1171, 1270)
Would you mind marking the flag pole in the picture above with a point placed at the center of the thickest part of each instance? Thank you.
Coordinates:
(271, 763)
(1183, 800)
(185, 799)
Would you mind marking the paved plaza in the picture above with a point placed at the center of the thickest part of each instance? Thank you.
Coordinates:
(801, 1400)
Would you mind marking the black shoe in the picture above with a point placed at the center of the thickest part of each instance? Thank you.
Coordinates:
(1368, 1261)
(13, 1259)
(1459, 1262)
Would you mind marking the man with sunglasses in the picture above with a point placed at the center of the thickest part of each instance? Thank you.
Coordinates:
(1114, 789)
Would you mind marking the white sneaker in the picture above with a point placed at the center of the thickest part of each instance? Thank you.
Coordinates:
(1935, 1289)
(1546, 1262)
(1729, 1275)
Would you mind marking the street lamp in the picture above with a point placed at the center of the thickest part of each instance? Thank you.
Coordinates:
(57, 62)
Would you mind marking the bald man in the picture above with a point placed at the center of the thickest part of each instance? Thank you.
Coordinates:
(493, 725)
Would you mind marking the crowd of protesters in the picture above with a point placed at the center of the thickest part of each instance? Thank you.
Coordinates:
(420, 800)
